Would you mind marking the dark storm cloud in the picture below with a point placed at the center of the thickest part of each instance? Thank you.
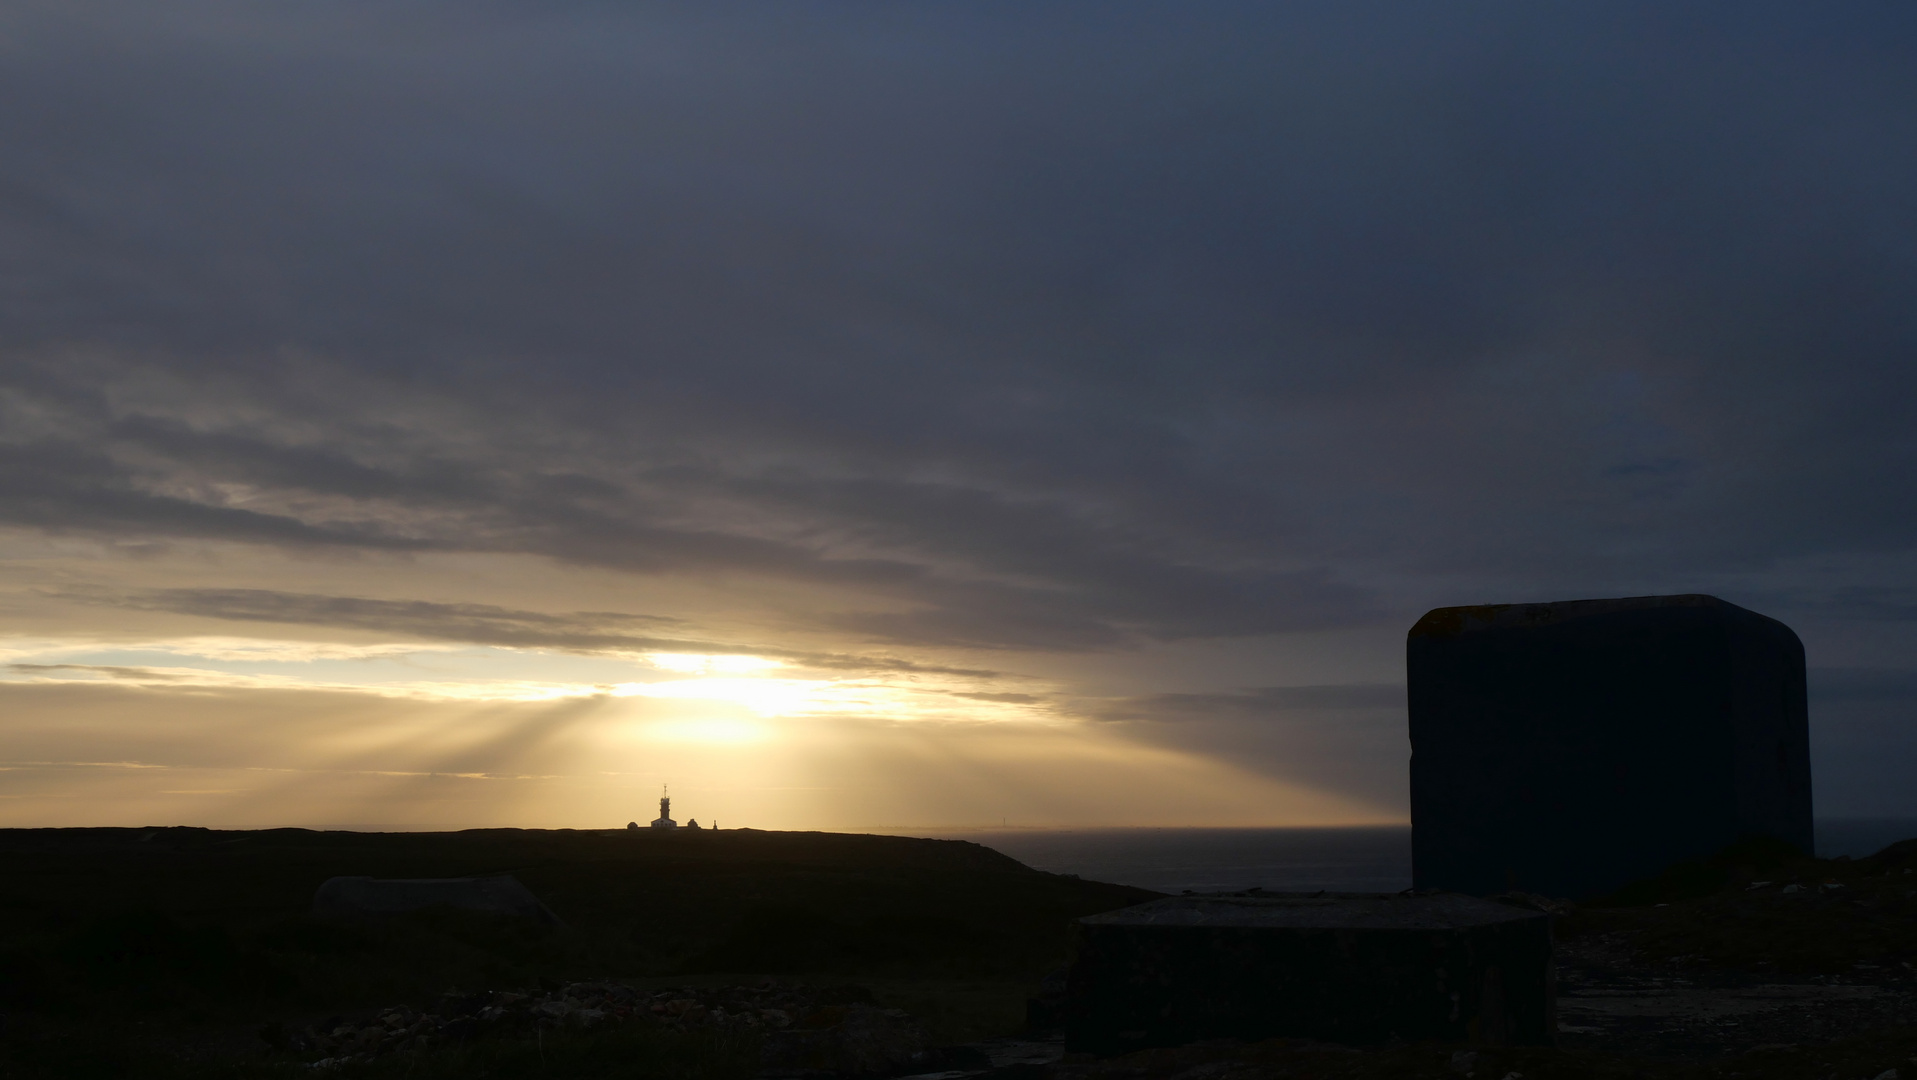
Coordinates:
(1837, 686)
(1867, 603)
(64, 485)
(1055, 327)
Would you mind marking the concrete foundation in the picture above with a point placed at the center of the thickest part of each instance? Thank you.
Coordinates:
(1570, 748)
(1353, 969)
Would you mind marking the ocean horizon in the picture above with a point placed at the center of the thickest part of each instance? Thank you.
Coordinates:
(1357, 858)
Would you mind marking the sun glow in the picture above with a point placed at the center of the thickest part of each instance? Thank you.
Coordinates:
(714, 731)
(767, 697)
(463, 737)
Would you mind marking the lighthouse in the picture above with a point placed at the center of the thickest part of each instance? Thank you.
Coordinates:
(664, 820)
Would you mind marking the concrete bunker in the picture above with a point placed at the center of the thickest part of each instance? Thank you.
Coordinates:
(1570, 748)
(1357, 969)
(367, 897)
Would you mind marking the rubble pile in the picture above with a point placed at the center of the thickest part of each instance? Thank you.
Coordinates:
(833, 1029)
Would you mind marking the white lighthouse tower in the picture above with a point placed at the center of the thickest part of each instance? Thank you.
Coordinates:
(664, 820)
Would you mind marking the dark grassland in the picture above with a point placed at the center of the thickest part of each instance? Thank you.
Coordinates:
(165, 952)
(159, 952)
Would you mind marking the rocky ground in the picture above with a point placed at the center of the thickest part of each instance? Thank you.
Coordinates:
(800, 1030)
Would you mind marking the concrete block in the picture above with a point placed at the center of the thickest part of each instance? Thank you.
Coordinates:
(1352, 969)
(1570, 748)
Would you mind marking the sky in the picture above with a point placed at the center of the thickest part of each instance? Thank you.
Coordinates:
(918, 415)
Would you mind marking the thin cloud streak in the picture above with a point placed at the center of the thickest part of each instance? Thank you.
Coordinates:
(589, 632)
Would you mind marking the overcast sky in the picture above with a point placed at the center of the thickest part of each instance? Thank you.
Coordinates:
(911, 413)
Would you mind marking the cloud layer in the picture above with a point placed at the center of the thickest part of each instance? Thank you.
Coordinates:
(1154, 323)
(951, 338)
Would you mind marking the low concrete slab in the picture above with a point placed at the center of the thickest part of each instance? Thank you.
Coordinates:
(366, 897)
(1358, 969)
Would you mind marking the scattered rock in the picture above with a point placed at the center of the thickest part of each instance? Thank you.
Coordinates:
(809, 1029)
(850, 1039)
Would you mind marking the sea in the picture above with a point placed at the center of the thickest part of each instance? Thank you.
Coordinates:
(1352, 859)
